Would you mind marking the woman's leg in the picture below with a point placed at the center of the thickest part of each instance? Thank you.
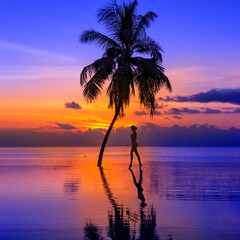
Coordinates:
(131, 153)
(138, 157)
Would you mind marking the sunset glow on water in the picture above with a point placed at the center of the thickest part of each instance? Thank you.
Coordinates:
(55, 192)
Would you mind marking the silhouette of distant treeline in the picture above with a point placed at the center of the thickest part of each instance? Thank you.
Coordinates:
(154, 135)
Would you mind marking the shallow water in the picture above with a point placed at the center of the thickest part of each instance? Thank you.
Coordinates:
(59, 193)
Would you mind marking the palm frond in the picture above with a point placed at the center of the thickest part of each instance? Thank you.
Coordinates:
(148, 46)
(149, 67)
(108, 12)
(144, 22)
(131, 8)
(120, 87)
(111, 16)
(129, 15)
(87, 72)
(150, 78)
(94, 86)
(112, 53)
(99, 38)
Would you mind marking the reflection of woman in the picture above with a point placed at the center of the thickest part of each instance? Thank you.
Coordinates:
(134, 146)
(139, 187)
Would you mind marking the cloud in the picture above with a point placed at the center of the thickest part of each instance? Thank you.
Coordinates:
(34, 51)
(225, 95)
(73, 105)
(212, 111)
(160, 106)
(140, 113)
(143, 113)
(228, 108)
(177, 117)
(148, 135)
(178, 111)
(65, 126)
(236, 110)
(157, 113)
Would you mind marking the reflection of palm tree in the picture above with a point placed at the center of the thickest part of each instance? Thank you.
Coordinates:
(120, 63)
(91, 232)
(120, 220)
(119, 225)
(139, 187)
(148, 225)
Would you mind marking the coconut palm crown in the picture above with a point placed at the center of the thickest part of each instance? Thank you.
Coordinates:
(131, 59)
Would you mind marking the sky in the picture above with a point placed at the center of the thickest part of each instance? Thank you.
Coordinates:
(41, 59)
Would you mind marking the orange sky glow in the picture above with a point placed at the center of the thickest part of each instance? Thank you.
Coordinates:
(40, 102)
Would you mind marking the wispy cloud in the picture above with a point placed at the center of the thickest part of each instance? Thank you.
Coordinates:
(177, 117)
(177, 111)
(140, 113)
(143, 113)
(160, 106)
(39, 72)
(35, 51)
(65, 126)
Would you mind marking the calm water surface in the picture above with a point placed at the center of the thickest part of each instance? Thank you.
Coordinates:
(59, 193)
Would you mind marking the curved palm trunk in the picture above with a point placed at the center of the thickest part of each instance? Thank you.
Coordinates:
(117, 110)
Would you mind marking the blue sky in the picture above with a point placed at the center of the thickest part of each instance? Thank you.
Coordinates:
(190, 32)
(41, 59)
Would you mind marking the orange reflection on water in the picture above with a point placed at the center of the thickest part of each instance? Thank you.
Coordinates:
(62, 189)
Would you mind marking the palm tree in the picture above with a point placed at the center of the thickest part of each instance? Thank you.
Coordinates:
(123, 62)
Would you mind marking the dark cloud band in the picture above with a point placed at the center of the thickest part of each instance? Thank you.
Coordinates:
(148, 135)
(180, 111)
(227, 95)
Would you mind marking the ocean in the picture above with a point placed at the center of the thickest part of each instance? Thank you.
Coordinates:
(60, 193)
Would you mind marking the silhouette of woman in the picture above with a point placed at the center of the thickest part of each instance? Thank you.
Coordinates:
(139, 187)
(134, 146)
